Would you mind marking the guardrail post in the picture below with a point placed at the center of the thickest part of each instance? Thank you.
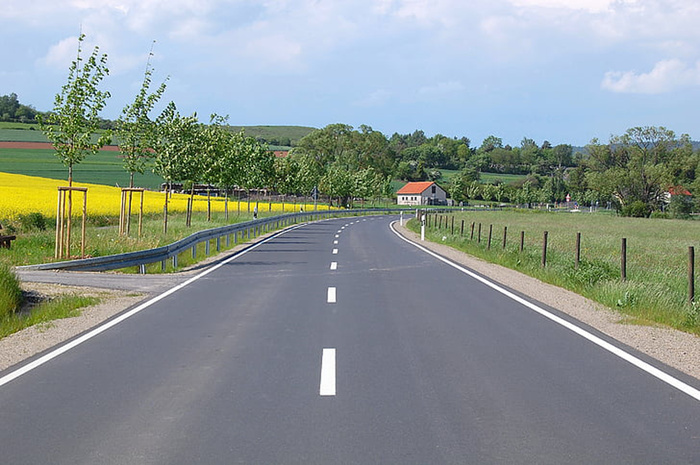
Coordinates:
(206, 247)
(175, 261)
(162, 265)
(194, 251)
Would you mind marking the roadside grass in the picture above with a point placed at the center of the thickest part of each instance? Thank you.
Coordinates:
(10, 292)
(34, 246)
(656, 289)
(65, 306)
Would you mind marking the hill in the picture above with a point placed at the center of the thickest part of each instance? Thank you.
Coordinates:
(285, 136)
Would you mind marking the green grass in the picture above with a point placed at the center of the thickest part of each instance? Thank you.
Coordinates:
(103, 168)
(10, 292)
(66, 306)
(494, 178)
(657, 254)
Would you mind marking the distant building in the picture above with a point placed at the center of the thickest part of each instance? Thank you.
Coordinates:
(421, 193)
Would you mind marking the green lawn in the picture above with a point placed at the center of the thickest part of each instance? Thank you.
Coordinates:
(103, 168)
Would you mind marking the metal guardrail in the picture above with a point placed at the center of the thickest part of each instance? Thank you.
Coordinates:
(248, 229)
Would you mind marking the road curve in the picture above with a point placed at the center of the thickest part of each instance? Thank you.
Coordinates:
(339, 342)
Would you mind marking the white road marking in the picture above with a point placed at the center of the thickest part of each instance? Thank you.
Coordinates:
(626, 356)
(334, 266)
(335, 242)
(331, 295)
(339, 231)
(335, 251)
(327, 372)
(337, 236)
(100, 329)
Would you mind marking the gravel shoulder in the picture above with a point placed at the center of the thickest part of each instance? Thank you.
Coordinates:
(674, 348)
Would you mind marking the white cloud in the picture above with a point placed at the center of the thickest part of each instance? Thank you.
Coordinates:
(61, 54)
(667, 76)
(593, 6)
(440, 91)
(375, 99)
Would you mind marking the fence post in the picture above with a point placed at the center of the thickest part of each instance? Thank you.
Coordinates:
(505, 235)
(691, 275)
(490, 233)
(623, 260)
(453, 226)
(544, 249)
(472, 236)
(578, 249)
(462, 230)
(479, 235)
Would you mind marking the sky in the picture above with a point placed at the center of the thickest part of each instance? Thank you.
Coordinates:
(565, 71)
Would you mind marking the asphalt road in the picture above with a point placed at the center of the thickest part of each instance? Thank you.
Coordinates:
(367, 351)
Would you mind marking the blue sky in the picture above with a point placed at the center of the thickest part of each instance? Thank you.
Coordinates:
(565, 71)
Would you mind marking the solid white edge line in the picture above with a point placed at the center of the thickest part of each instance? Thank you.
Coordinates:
(334, 266)
(331, 295)
(94, 332)
(327, 386)
(657, 373)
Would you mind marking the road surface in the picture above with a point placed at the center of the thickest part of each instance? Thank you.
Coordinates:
(338, 342)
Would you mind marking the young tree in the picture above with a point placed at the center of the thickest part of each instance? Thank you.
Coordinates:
(135, 130)
(75, 117)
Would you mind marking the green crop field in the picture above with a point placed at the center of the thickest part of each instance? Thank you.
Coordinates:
(657, 257)
(103, 168)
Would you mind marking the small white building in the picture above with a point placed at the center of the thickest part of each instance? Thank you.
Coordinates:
(421, 193)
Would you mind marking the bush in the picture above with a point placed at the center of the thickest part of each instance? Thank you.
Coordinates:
(34, 221)
(636, 209)
(10, 291)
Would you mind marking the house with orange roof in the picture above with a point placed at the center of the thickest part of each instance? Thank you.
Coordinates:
(421, 193)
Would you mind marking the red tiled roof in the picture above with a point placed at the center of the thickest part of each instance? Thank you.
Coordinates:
(678, 190)
(415, 187)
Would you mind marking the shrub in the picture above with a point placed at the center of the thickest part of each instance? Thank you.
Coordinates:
(34, 221)
(10, 291)
(636, 209)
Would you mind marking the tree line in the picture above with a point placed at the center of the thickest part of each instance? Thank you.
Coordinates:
(645, 171)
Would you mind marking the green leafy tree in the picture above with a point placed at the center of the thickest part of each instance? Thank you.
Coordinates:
(74, 122)
(135, 130)
(636, 166)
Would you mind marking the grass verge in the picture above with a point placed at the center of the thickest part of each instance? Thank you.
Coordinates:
(66, 306)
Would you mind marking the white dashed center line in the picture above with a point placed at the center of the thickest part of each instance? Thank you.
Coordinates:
(335, 242)
(331, 295)
(335, 251)
(334, 266)
(327, 373)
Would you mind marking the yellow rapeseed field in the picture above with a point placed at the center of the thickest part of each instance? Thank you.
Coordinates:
(21, 194)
